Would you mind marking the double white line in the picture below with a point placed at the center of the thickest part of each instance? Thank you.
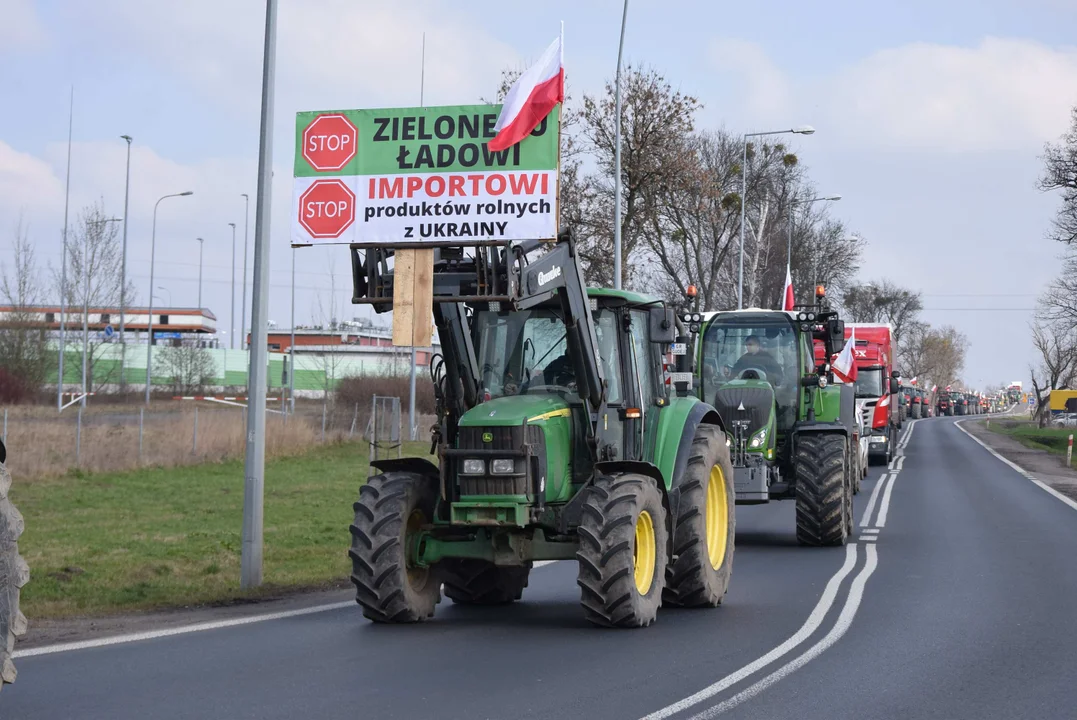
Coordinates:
(822, 608)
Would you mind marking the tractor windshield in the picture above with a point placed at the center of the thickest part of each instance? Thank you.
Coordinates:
(525, 352)
(762, 347)
(869, 382)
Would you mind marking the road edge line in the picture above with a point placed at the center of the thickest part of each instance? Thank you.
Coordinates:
(1020, 470)
(188, 629)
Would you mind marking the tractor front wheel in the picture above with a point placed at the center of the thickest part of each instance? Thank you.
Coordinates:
(623, 551)
(392, 508)
(698, 574)
(824, 497)
(477, 582)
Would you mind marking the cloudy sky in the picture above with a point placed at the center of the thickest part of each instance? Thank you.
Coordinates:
(930, 120)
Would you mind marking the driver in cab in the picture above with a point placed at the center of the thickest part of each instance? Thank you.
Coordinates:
(756, 358)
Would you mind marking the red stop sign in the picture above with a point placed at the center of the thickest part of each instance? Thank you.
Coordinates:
(327, 208)
(329, 142)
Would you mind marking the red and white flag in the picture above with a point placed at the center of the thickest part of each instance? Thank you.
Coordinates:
(844, 366)
(789, 301)
(531, 98)
(913, 381)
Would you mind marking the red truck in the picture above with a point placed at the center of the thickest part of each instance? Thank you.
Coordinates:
(877, 386)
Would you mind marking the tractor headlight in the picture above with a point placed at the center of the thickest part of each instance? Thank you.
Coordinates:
(759, 439)
(474, 466)
(502, 466)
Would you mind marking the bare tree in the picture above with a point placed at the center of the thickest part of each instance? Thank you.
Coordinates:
(188, 368)
(23, 341)
(1060, 173)
(883, 302)
(1056, 344)
(655, 121)
(94, 277)
(934, 355)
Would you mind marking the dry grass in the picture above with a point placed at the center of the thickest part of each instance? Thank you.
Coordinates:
(43, 444)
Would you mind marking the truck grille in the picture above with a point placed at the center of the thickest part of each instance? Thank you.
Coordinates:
(503, 438)
(867, 412)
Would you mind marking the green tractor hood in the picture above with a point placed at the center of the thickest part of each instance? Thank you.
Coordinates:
(748, 408)
(514, 409)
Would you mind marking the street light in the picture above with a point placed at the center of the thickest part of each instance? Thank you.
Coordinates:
(200, 242)
(149, 324)
(86, 303)
(792, 205)
(123, 273)
(243, 303)
(802, 130)
(159, 287)
(617, 159)
(232, 326)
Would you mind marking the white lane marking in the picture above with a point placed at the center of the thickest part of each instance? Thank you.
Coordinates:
(1020, 470)
(884, 506)
(866, 519)
(845, 620)
(869, 538)
(826, 601)
(870, 531)
(197, 627)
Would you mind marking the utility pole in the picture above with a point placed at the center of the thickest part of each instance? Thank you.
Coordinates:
(123, 274)
(149, 323)
(63, 260)
(243, 303)
(617, 159)
(232, 326)
(254, 466)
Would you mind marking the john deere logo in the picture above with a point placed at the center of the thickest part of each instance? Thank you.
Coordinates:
(487, 437)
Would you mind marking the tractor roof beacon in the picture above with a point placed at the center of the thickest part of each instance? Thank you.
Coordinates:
(556, 439)
(792, 429)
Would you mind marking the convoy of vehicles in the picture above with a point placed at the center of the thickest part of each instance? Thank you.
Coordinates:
(792, 430)
(556, 439)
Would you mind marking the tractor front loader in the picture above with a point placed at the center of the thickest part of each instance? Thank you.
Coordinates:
(556, 439)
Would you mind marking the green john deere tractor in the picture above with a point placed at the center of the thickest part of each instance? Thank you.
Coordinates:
(792, 430)
(557, 439)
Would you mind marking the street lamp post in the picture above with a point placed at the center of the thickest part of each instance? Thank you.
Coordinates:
(617, 158)
(243, 303)
(86, 301)
(200, 243)
(123, 274)
(802, 130)
(792, 207)
(149, 324)
(232, 325)
(161, 287)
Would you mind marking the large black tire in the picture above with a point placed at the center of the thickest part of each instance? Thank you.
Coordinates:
(823, 497)
(617, 510)
(391, 506)
(915, 412)
(693, 577)
(477, 582)
(855, 469)
(14, 574)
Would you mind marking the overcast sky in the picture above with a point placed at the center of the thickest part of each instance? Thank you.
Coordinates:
(930, 119)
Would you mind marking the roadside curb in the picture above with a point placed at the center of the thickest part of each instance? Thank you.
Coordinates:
(1020, 470)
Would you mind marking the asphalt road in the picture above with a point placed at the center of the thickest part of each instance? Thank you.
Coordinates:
(963, 607)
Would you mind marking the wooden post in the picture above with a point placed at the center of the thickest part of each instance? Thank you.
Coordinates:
(413, 298)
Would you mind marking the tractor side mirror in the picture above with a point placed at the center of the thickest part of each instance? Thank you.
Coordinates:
(894, 386)
(837, 333)
(663, 325)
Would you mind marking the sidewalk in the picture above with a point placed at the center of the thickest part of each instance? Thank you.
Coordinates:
(1045, 467)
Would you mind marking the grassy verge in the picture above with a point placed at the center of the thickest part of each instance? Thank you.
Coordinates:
(159, 537)
(1053, 440)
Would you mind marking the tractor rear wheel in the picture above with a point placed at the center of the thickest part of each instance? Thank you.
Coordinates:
(393, 507)
(623, 551)
(477, 582)
(855, 470)
(698, 573)
(824, 497)
(14, 573)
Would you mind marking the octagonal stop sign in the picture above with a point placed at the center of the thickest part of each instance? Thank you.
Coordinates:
(327, 208)
(329, 142)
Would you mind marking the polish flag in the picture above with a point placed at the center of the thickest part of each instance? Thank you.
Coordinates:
(913, 381)
(789, 300)
(844, 366)
(531, 97)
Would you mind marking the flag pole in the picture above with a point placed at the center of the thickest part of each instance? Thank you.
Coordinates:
(560, 116)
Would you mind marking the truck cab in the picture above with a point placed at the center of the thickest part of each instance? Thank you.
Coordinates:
(877, 388)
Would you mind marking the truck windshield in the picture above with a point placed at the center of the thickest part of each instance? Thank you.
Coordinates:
(526, 352)
(869, 382)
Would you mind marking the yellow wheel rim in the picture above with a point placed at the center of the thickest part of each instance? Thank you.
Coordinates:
(643, 556)
(717, 518)
(417, 576)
